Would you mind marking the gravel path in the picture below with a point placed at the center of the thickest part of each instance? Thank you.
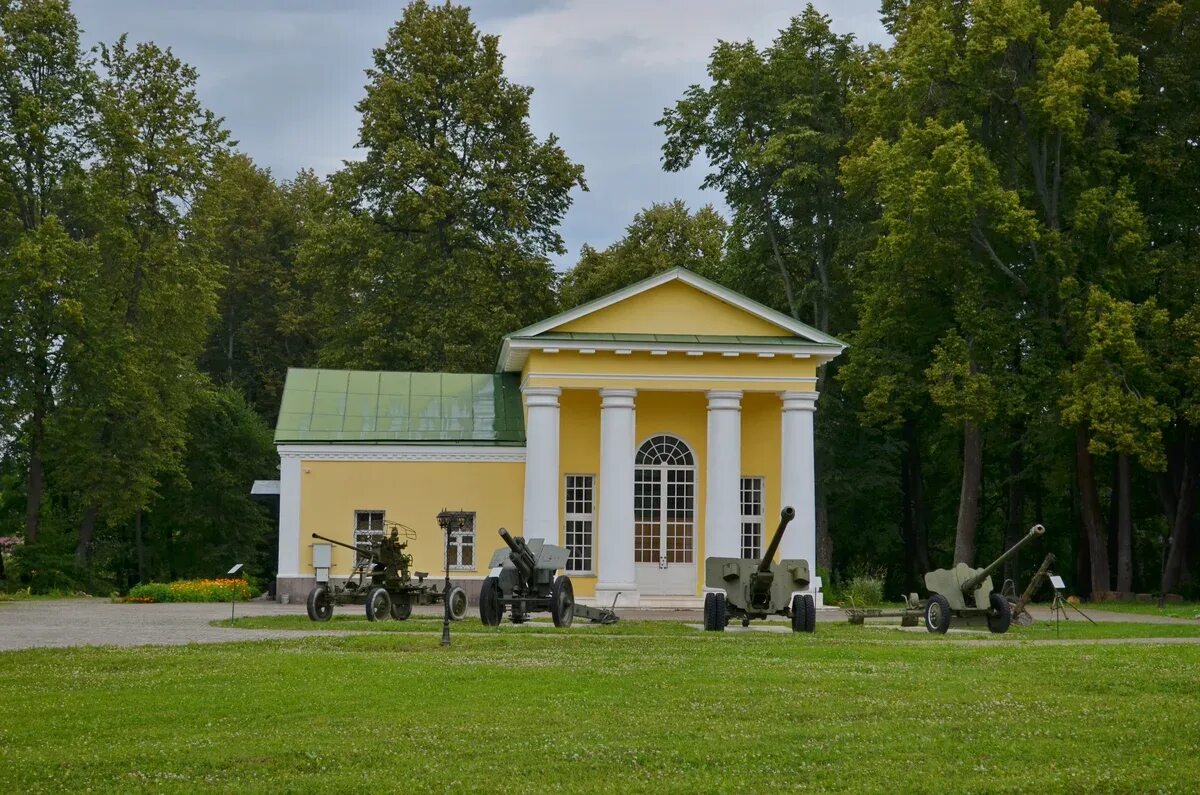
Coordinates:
(99, 622)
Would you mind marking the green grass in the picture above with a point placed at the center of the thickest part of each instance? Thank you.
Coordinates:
(1190, 610)
(609, 709)
(881, 630)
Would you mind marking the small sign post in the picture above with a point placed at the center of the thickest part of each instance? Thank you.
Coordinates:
(233, 596)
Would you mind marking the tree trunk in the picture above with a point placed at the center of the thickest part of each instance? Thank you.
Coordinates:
(1090, 515)
(35, 485)
(141, 546)
(87, 531)
(824, 542)
(968, 500)
(1124, 513)
(1180, 524)
(1016, 506)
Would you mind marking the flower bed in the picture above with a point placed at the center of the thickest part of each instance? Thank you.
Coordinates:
(190, 591)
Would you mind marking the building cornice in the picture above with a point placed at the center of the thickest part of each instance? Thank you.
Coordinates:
(401, 452)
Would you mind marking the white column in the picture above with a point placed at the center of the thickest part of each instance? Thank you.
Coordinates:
(615, 571)
(722, 489)
(798, 481)
(289, 517)
(541, 463)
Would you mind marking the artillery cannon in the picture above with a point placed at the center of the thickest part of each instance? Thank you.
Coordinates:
(966, 592)
(524, 579)
(382, 583)
(757, 588)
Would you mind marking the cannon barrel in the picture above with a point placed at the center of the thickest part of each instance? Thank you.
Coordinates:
(974, 582)
(786, 515)
(368, 551)
(521, 557)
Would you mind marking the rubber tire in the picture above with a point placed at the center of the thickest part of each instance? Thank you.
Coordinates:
(401, 609)
(458, 604)
(720, 613)
(999, 618)
(379, 604)
(942, 626)
(320, 604)
(490, 610)
(562, 601)
(710, 623)
(810, 613)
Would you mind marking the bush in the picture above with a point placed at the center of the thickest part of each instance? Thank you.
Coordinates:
(190, 591)
(864, 591)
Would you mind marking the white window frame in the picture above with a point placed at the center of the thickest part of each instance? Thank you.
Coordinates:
(460, 541)
(584, 515)
(366, 536)
(751, 498)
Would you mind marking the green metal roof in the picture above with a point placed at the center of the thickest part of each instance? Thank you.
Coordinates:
(708, 339)
(415, 408)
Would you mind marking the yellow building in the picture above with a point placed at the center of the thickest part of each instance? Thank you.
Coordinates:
(643, 431)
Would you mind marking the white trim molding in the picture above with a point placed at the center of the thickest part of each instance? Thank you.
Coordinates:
(685, 379)
(400, 452)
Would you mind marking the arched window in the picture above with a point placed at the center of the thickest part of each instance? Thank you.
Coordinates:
(664, 502)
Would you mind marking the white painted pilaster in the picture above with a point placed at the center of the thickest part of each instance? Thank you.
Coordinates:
(541, 463)
(289, 516)
(798, 480)
(722, 508)
(615, 571)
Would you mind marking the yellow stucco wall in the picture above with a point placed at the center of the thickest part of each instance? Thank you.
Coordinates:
(762, 448)
(412, 493)
(674, 371)
(579, 454)
(673, 308)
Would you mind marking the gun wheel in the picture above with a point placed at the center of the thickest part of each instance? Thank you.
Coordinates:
(804, 613)
(999, 618)
(379, 604)
(458, 603)
(937, 614)
(401, 608)
(715, 612)
(490, 608)
(320, 604)
(562, 601)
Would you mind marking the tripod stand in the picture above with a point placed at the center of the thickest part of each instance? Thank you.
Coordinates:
(1059, 605)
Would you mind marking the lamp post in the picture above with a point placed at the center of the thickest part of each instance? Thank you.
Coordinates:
(452, 523)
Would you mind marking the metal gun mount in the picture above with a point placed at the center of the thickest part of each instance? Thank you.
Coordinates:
(382, 583)
(748, 589)
(524, 579)
(966, 592)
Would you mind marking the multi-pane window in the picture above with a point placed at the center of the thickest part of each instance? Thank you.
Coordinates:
(664, 501)
(368, 527)
(462, 545)
(580, 516)
(752, 517)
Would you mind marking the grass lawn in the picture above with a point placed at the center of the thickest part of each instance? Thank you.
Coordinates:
(1178, 610)
(604, 709)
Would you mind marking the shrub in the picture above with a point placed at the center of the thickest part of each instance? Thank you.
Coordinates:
(190, 591)
(864, 591)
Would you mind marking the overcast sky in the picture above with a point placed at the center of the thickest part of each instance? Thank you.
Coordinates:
(286, 75)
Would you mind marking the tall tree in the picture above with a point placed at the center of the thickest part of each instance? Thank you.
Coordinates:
(126, 396)
(44, 85)
(661, 237)
(439, 238)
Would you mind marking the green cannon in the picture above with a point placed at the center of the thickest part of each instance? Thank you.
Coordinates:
(382, 583)
(966, 592)
(748, 589)
(524, 579)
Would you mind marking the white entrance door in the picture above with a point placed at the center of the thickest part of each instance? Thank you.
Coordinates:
(664, 517)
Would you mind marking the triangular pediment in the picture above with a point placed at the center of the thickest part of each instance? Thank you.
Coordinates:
(676, 303)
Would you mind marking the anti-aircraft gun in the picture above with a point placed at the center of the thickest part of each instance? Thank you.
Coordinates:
(966, 592)
(758, 588)
(381, 581)
(523, 580)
